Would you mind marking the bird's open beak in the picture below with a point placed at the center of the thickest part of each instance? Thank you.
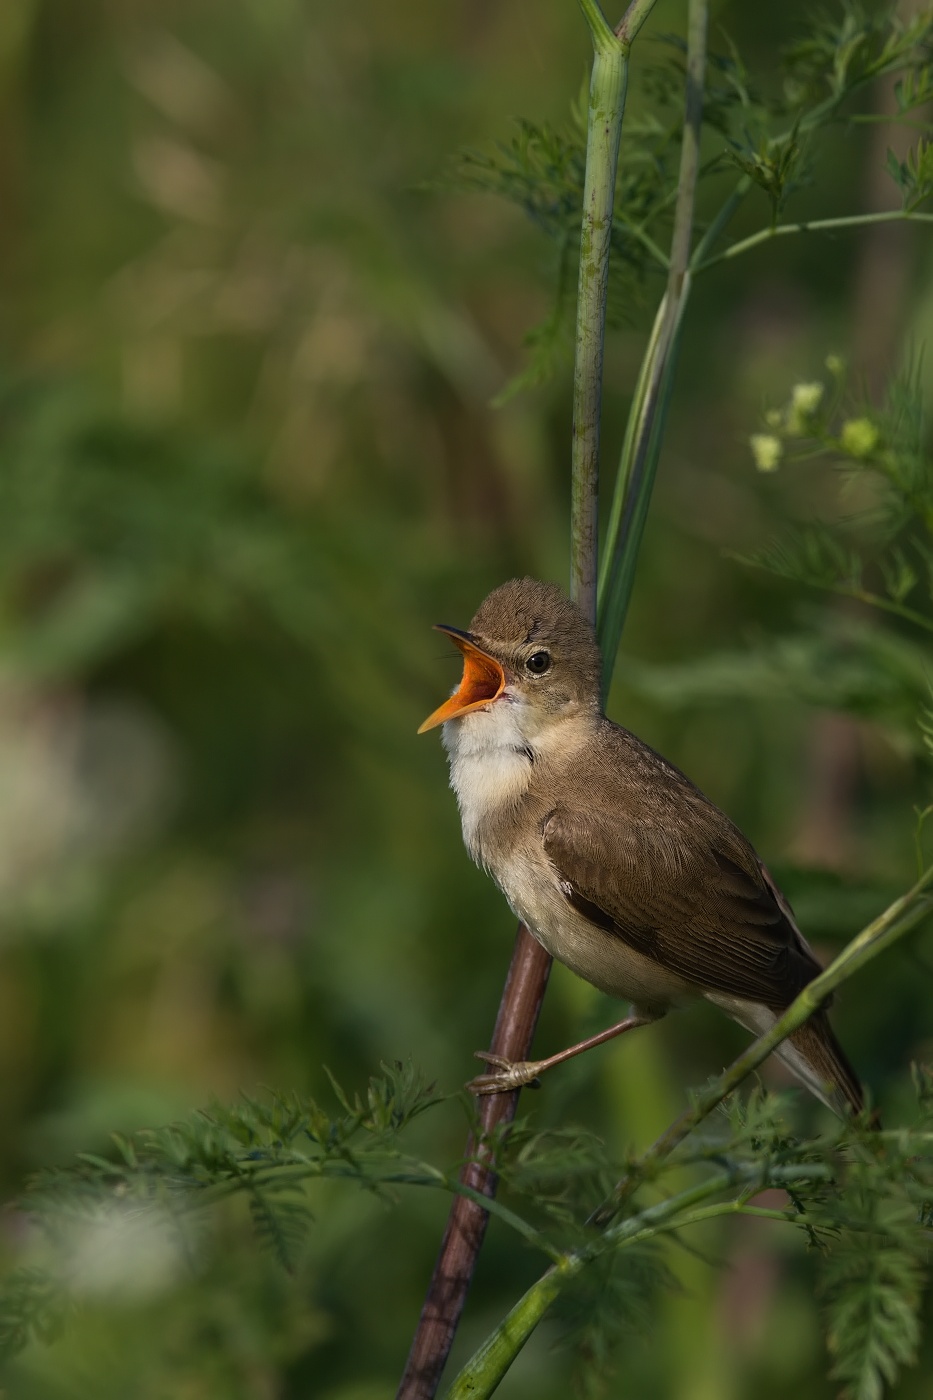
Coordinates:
(483, 680)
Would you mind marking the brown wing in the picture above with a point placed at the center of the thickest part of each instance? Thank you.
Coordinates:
(696, 900)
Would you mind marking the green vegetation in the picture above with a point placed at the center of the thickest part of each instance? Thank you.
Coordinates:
(249, 453)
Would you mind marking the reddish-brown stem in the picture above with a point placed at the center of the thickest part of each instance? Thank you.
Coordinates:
(466, 1224)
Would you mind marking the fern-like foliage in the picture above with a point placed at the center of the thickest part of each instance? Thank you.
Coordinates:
(281, 1219)
(161, 1182)
(834, 662)
(821, 73)
(616, 1298)
(873, 1275)
(869, 1225)
(33, 1304)
(872, 1280)
(847, 48)
(860, 1200)
(768, 133)
(541, 170)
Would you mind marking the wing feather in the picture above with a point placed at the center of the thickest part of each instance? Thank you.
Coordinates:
(704, 908)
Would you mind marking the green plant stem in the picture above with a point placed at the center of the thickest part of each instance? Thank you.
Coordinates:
(875, 600)
(604, 127)
(365, 1170)
(846, 590)
(633, 19)
(487, 1367)
(753, 1178)
(722, 219)
(765, 235)
(640, 235)
(641, 448)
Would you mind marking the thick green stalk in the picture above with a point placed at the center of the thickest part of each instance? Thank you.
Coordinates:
(641, 448)
(604, 127)
(487, 1367)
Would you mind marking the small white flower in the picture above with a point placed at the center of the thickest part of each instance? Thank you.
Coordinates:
(806, 399)
(766, 450)
(859, 437)
(127, 1251)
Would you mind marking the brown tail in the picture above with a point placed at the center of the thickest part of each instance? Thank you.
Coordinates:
(831, 1076)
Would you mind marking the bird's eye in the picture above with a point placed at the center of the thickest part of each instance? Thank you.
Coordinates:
(538, 662)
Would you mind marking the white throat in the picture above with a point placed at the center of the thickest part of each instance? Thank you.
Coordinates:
(491, 764)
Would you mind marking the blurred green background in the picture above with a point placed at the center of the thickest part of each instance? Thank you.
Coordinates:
(247, 457)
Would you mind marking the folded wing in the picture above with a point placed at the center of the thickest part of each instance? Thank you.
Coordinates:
(708, 910)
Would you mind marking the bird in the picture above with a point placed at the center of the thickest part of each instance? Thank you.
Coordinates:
(609, 855)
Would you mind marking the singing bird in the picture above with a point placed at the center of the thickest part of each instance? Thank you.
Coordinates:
(608, 854)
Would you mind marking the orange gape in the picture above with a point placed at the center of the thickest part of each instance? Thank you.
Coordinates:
(483, 681)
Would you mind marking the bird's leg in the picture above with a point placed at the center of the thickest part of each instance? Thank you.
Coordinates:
(509, 1074)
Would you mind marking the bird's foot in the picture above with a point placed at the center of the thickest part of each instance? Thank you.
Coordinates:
(508, 1075)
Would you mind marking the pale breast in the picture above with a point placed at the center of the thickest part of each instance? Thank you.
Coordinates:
(501, 786)
(530, 884)
(484, 785)
(490, 770)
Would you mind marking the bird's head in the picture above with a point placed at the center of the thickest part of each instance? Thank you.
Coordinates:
(528, 648)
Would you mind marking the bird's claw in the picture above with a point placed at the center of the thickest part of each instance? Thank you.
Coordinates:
(508, 1076)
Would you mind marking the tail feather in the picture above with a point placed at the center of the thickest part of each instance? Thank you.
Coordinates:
(812, 1053)
(825, 1068)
